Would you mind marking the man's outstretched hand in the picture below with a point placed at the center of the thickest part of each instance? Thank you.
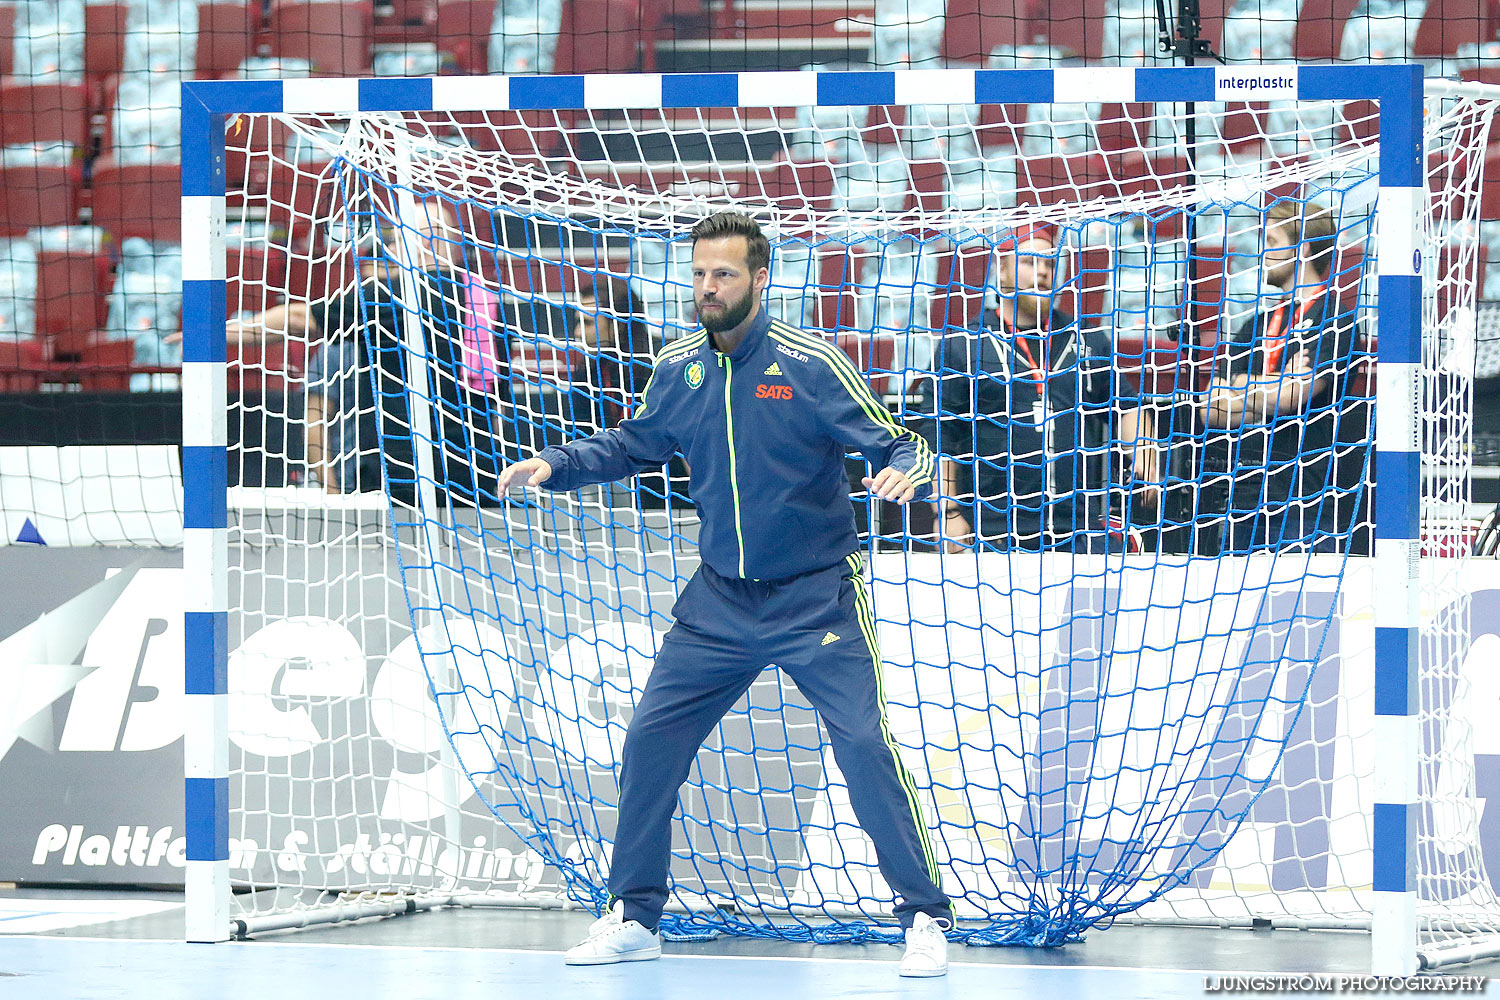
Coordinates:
(891, 485)
(532, 472)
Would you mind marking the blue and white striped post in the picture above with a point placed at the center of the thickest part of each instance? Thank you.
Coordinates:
(1398, 543)
(205, 543)
(1398, 447)
(1402, 202)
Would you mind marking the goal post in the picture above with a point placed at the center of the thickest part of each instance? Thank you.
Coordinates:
(468, 655)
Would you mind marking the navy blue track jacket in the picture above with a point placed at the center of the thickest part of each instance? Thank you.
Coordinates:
(764, 430)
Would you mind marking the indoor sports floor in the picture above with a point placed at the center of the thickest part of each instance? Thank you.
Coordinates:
(66, 945)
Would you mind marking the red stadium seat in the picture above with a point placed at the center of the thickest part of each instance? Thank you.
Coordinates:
(43, 112)
(1207, 293)
(1489, 196)
(246, 174)
(542, 362)
(1150, 175)
(1361, 120)
(1244, 126)
(138, 199)
(297, 194)
(22, 363)
(265, 367)
(7, 40)
(1071, 177)
(405, 21)
(1124, 128)
(929, 186)
(32, 196)
(1211, 18)
(1348, 271)
(1090, 281)
(1481, 74)
(71, 292)
(1319, 35)
(962, 277)
(310, 278)
(495, 130)
(226, 37)
(848, 21)
(1447, 25)
(463, 28)
(809, 184)
(667, 20)
(334, 35)
(599, 36)
(91, 362)
(1077, 27)
(975, 28)
(104, 28)
(872, 354)
(255, 279)
(839, 272)
(1156, 367)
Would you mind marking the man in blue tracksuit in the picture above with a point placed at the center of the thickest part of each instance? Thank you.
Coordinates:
(764, 414)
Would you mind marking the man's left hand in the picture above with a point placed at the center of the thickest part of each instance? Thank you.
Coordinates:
(891, 485)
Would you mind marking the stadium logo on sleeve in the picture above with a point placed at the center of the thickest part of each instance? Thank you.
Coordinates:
(693, 374)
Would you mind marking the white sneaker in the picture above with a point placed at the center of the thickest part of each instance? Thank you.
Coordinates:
(612, 939)
(926, 948)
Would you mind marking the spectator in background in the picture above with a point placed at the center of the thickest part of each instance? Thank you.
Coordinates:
(363, 358)
(1029, 407)
(619, 350)
(1284, 426)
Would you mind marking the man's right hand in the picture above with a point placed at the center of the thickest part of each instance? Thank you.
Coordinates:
(532, 472)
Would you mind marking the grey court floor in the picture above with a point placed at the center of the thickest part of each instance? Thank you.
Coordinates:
(457, 954)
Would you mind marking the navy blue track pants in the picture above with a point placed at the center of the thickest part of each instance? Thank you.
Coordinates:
(727, 631)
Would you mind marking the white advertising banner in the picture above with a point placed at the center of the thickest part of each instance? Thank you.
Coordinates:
(90, 741)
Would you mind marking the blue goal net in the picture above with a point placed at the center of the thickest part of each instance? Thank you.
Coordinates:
(1116, 645)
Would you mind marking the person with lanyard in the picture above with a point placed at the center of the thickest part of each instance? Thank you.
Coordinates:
(1285, 427)
(1027, 407)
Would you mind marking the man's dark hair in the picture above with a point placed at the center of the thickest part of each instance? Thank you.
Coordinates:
(727, 224)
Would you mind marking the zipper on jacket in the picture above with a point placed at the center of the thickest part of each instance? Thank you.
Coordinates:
(734, 481)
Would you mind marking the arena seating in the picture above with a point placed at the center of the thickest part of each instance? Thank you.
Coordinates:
(406, 21)
(253, 273)
(463, 28)
(226, 37)
(37, 194)
(7, 40)
(1320, 29)
(43, 112)
(342, 37)
(71, 291)
(142, 200)
(1449, 25)
(334, 35)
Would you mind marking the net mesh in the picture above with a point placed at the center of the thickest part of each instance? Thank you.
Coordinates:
(1123, 682)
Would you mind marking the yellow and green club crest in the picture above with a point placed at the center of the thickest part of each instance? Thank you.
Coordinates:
(693, 374)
